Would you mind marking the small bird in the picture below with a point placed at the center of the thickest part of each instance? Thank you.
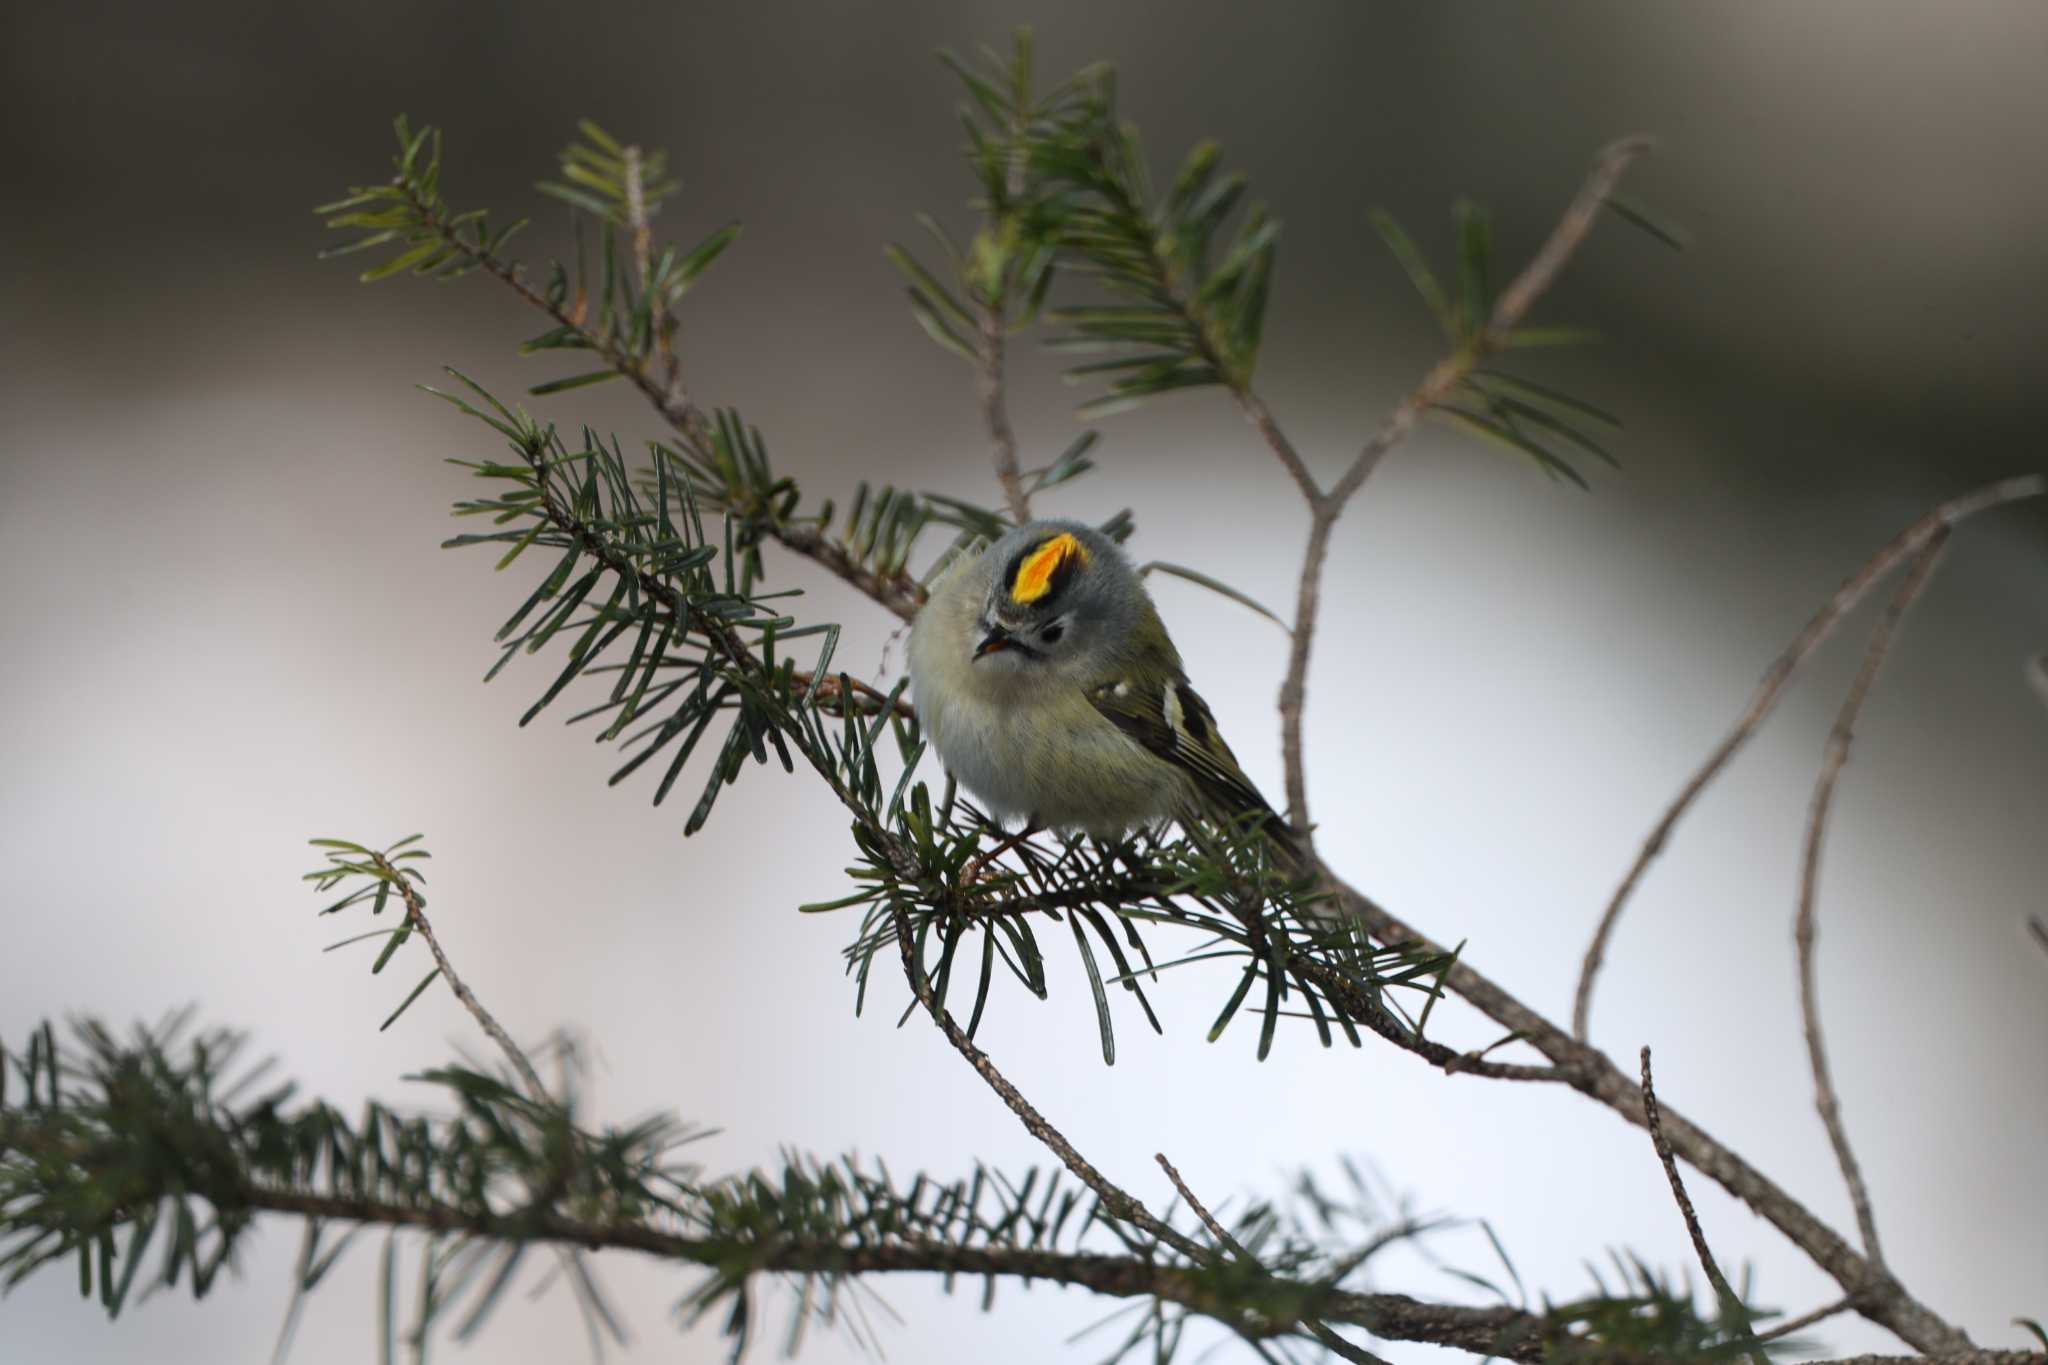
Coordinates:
(1043, 676)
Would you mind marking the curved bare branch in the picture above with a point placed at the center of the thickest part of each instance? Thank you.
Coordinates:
(1765, 699)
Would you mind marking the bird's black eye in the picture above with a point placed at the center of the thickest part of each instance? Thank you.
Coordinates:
(1052, 633)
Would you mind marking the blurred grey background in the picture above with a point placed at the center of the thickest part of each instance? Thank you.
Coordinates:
(228, 627)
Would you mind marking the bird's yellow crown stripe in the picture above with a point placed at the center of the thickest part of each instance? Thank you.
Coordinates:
(1035, 574)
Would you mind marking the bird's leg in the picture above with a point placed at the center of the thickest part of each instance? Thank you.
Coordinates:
(971, 873)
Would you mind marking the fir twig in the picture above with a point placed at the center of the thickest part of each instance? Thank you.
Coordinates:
(1436, 387)
(416, 916)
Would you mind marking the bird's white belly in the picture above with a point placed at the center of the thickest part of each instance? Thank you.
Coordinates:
(1090, 776)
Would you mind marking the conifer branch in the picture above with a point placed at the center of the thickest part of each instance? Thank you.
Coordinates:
(898, 594)
(1065, 180)
(1507, 315)
(672, 401)
(1397, 1317)
(1507, 1333)
(127, 1138)
(666, 393)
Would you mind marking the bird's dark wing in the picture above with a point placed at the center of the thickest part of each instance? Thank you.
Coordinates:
(1175, 724)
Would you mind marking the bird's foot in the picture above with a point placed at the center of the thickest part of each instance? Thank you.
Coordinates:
(974, 872)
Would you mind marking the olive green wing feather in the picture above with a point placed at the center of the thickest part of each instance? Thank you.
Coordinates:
(1175, 724)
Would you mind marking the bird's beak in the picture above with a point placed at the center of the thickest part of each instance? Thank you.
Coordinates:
(997, 638)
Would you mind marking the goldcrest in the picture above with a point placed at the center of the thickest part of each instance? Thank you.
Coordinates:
(1044, 678)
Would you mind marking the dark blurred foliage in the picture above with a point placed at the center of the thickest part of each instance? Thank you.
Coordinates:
(1858, 179)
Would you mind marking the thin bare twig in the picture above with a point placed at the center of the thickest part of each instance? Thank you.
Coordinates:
(1261, 417)
(1765, 699)
(1731, 1305)
(1339, 1347)
(1832, 762)
(1308, 595)
(416, 916)
(1216, 1229)
(1322, 1332)
(636, 216)
(871, 699)
(996, 417)
(1438, 385)
(1117, 1201)
(1806, 1320)
(994, 414)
